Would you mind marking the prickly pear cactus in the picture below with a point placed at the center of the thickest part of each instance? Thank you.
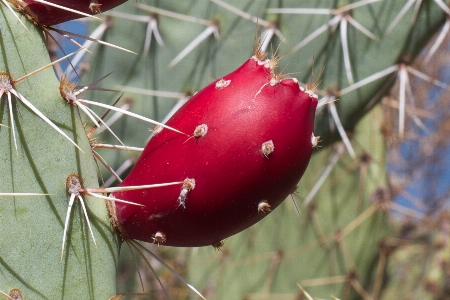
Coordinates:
(359, 48)
(36, 160)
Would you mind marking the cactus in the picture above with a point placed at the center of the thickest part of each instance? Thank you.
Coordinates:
(32, 225)
(361, 46)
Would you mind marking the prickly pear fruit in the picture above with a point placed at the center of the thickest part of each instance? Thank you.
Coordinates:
(249, 144)
(49, 12)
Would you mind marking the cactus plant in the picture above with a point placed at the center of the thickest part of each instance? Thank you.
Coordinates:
(361, 46)
(32, 225)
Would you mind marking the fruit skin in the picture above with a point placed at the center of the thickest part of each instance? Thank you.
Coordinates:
(232, 174)
(49, 15)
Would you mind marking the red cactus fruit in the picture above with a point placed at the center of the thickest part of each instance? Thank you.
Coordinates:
(250, 145)
(47, 14)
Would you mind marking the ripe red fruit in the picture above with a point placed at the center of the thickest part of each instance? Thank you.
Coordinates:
(251, 144)
(45, 14)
